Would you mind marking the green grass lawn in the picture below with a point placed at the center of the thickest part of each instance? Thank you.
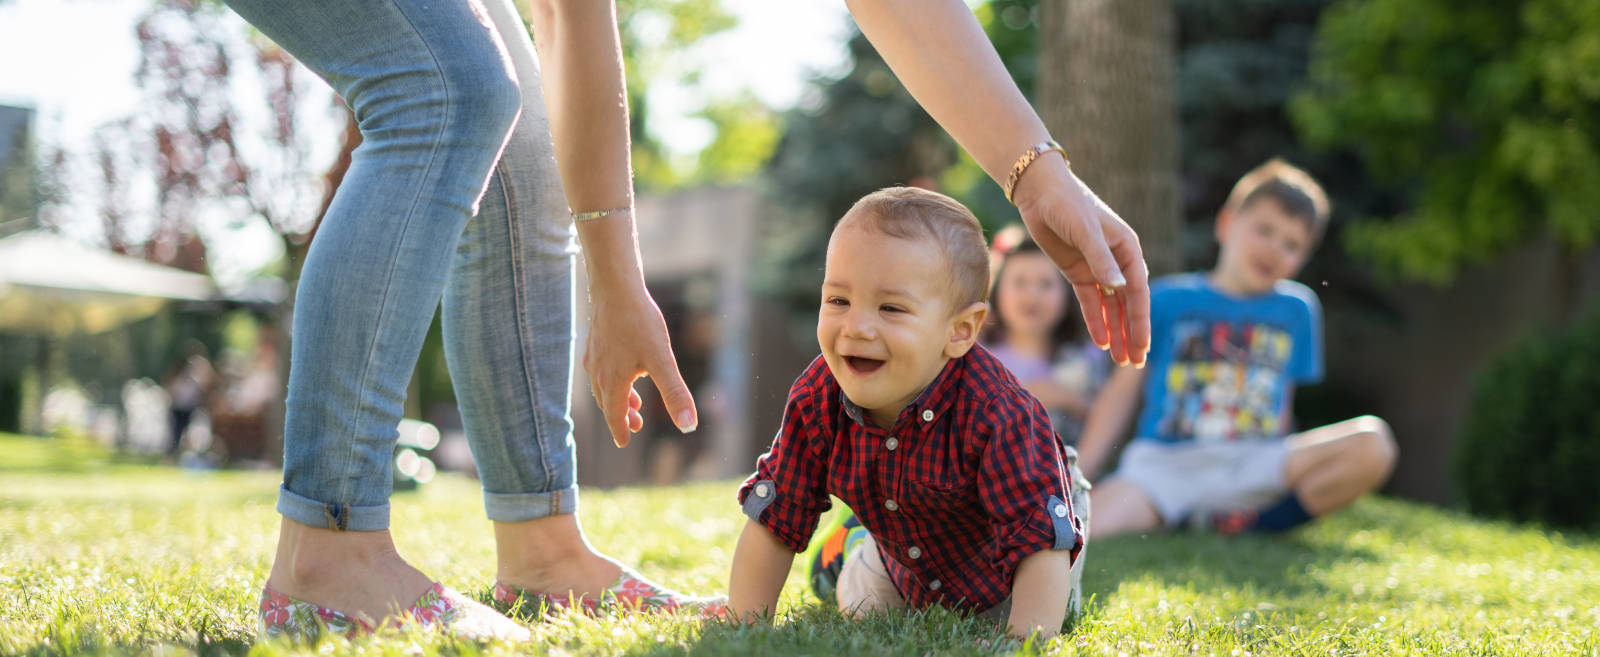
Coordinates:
(100, 557)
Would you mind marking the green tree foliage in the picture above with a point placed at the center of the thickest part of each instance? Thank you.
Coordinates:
(19, 183)
(1528, 450)
(1489, 111)
(656, 34)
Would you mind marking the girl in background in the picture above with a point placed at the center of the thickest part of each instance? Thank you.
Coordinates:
(1031, 333)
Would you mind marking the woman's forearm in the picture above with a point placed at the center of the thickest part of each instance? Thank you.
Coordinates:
(580, 57)
(585, 91)
(941, 55)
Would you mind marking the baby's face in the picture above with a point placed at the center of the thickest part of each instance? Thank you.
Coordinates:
(886, 317)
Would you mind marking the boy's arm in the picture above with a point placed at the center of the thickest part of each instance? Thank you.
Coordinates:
(1108, 417)
(1043, 584)
(760, 565)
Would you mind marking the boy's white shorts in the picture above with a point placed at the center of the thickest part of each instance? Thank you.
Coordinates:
(1186, 478)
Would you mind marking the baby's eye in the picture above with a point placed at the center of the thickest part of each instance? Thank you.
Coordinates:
(836, 301)
(891, 308)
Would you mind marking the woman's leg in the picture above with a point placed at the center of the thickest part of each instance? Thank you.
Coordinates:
(509, 339)
(430, 86)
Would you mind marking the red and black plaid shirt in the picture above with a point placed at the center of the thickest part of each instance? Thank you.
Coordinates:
(970, 480)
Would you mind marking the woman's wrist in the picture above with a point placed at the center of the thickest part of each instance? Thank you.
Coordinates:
(611, 252)
(1048, 176)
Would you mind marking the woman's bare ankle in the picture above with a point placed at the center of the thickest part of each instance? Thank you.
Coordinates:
(551, 555)
(348, 571)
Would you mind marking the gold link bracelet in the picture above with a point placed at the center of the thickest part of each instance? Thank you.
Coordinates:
(1027, 159)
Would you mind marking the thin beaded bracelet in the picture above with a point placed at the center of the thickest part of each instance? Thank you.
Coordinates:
(590, 216)
(1027, 159)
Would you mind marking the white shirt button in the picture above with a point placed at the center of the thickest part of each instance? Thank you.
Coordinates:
(762, 490)
(914, 552)
(1061, 510)
(891, 505)
(927, 416)
(891, 443)
(934, 585)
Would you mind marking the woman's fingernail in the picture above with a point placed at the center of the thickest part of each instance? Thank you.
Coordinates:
(686, 422)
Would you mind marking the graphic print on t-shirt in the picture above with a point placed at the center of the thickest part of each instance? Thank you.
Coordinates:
(1226, 381)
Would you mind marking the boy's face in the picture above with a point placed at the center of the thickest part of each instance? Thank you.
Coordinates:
(1261, 245)
(887, 325)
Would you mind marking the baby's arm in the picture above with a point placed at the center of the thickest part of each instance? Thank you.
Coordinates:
(760, 565)
(1108, 417)
(1043, 585)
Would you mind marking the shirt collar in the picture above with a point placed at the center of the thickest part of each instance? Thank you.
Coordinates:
(934, 399)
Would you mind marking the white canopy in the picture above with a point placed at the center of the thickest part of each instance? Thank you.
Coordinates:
(54, 286)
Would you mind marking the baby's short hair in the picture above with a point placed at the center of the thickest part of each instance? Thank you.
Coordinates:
(1295, 191)
(914, 213)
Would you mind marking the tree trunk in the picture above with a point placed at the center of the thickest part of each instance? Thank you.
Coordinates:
(1108, 92)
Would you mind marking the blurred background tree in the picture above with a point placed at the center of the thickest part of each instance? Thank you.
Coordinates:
(1109, 96)
(1485, 114)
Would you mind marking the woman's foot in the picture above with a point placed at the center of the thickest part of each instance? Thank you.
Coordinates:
(630, 593)
(359, 579)
(547, 564)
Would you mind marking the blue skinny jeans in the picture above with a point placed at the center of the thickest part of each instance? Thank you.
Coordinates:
(450, 196)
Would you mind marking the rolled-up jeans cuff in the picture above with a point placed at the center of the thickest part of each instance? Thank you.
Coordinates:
(330, 515)
(520, 507)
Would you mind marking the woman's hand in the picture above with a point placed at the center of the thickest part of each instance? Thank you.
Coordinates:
(1096, 250)
(628, 339)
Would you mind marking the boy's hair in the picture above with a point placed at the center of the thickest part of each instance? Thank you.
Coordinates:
(913, 213)
(1295, 191)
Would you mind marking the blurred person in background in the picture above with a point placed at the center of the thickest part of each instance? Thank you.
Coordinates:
(1035, 335)
(188, 383)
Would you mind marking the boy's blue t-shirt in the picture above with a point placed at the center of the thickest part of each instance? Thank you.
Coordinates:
(1221, 368)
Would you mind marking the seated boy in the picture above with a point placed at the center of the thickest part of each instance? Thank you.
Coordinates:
(946, 460)
(1213, 446)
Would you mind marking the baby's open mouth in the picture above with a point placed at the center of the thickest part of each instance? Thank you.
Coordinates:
(861, 365)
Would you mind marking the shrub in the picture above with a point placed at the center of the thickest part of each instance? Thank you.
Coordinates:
(1530, 447)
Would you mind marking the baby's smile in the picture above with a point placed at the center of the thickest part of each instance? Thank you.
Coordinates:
(862, 366)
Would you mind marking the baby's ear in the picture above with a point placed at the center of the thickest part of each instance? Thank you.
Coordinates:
(965, 325)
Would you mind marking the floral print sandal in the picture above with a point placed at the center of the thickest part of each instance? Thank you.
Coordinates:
(439, 607)
(630, 593)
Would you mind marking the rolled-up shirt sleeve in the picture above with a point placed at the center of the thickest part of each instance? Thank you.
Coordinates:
(1024, 487)
(788, 491)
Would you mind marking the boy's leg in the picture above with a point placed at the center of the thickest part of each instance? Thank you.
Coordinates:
(1330, 466)
(864, 584)
(1325, 469)
(1121, 507)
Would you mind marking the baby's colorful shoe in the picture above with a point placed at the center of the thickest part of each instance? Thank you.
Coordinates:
(630, 593)
(824, 559)
(439, 607)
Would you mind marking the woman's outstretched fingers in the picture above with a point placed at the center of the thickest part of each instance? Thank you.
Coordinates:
(675, 393)
(1094, 314)
(1136, 306)
(635, 420)
(1115, 318)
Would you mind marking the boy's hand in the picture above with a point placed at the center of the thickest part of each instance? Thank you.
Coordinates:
(628, 339)
(1096, 250)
